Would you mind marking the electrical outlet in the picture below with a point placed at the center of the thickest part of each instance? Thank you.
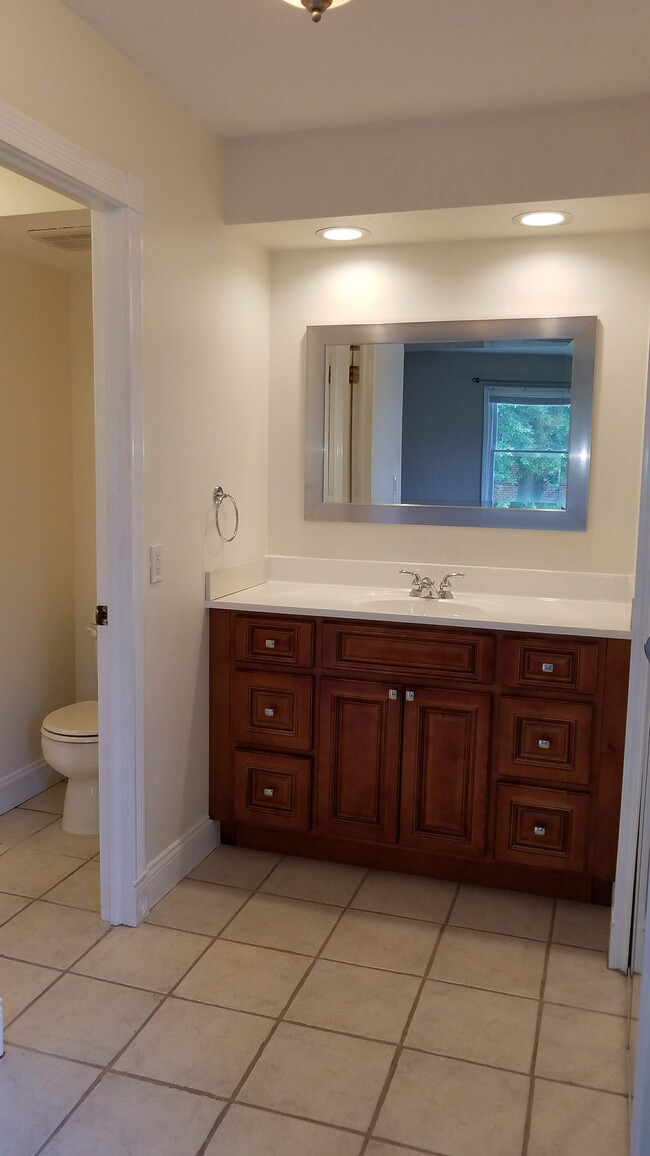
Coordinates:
(155, 564)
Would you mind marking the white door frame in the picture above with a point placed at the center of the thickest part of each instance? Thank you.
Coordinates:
(115, 200)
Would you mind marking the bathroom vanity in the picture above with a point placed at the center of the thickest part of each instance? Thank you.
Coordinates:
(487, 755)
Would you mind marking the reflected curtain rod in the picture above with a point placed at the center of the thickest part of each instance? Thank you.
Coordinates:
(514, 381)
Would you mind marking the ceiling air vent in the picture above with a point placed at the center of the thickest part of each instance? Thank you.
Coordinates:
(72, 238)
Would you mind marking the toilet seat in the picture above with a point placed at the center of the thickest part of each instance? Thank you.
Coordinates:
(77, 723)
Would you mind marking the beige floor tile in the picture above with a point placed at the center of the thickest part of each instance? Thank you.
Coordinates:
(78, 890)
(83, 1019)
(236, 867)
(326, 1077)
(583, 1047)
(495, 962)
(204, 908)
(312, 879)
(383, 941)
(206, 1049)
(413, 896)
(582, 925)
(466, 1023)
(153, 958)
(51, 800)
(24, 871)
(51, 935)
(581, 978)
(577, 1122)
(17, 825)
(20, 983)
(36, 1093)
(126, 1116)
(10, 905)
(5, 847)
(236, 975)
(506, 912)
(358, 1000)
(253, 1132)
(54, 838)
(461, 1109)
(290, 924)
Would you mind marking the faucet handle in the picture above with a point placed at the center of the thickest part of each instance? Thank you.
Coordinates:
(416, 584)
(445, 585)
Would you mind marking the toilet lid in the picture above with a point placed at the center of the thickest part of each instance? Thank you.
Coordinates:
(78, 719)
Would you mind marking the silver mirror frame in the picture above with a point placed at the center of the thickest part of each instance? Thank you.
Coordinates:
(582, 330)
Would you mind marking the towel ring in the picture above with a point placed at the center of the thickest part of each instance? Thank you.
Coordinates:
(218, 497)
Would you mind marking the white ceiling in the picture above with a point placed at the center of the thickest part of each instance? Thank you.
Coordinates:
(261, 66)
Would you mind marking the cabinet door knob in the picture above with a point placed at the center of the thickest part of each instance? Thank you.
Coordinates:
(540, 830)
(544, 744)
(269, 711)
(392, 694)
(270, 644)
(269, 792)
(410, 696)
(548, 667)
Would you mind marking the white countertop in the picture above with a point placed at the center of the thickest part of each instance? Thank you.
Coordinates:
(490, 611)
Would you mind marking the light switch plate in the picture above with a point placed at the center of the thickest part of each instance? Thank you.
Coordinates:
(155, 564)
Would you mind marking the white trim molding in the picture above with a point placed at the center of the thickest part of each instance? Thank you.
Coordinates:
(116, 200)
(25, 782)
(174, 863)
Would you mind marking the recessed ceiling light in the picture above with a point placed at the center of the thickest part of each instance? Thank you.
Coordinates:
(342, 233)
(543, 219)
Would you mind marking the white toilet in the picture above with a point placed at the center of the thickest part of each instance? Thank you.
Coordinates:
(70, 742)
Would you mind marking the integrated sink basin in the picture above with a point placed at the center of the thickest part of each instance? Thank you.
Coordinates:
(435, 607)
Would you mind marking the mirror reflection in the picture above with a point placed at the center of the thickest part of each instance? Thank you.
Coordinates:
(483, 423)
(462, 424)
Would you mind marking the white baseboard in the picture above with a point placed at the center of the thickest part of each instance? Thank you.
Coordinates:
(20, 785)
(174, 863)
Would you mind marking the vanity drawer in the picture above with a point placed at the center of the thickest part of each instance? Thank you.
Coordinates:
(551, 663)
(274, 640)
(272, 710)
(272, 790)
(545, 739)
(456, 654)
(540, 828)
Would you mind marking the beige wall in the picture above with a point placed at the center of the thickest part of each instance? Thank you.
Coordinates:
(205, 363)
(82, 401)
(36, 524)
(608, 276)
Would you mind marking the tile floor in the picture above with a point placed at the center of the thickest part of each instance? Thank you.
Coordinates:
(282, 1007)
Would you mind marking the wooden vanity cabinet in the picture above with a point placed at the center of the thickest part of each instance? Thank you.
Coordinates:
(482, 756)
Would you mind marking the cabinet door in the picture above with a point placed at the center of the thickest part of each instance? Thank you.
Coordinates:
(359, 760)
(445, 771)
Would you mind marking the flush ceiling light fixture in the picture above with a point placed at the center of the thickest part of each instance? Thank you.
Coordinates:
(342, 233)
(316, 8)
(544, 218)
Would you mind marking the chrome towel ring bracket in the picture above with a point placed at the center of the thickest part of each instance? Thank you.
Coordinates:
(219, 496)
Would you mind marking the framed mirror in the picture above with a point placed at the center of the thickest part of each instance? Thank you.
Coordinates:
(462, 423)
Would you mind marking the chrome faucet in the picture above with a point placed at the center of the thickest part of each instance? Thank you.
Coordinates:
(445, 590)
(421, 587)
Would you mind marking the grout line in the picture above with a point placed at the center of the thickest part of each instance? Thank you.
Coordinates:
(540, 1012)
(400, 1046)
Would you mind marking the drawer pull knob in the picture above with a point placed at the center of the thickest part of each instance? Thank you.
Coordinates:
(269, 792)
(410, 696)
(269, 711)
(270, 644)
(548, 667)
(392, 694)
(544, 744)
(540, 830)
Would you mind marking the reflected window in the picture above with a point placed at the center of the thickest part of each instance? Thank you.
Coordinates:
(525, 447)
